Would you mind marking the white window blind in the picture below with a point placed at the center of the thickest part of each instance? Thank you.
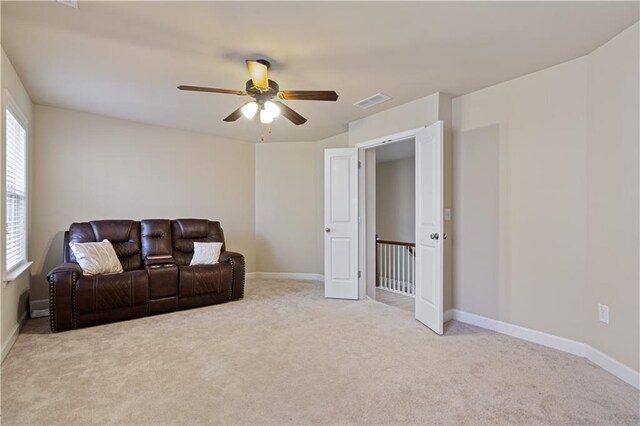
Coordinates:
(16, 192)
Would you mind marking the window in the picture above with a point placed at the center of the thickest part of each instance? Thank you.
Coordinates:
(16, 189)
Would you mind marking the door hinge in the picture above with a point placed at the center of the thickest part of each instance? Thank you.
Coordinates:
(359, 164)
(359, 274)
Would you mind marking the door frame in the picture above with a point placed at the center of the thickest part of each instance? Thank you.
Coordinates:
(363, 261)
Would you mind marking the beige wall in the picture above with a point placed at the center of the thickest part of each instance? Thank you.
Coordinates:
(612, 202)
(93, 167)
(407, 116)
(286, 194)
(477, 221)
(395, 200)
(14, 294)
(290, 205)
(541, 193)
(546, 199)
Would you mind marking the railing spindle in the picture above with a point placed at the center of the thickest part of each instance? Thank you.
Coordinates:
(404, 270)
(385, 262)
(382, 271)
(384, 265)
(394, 273)
(386, 271)
(379, 265)
(397, 250)
(413, 273)
(398, 282)
(388, 266)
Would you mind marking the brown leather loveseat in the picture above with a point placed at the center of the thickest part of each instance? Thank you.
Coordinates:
(155, 256)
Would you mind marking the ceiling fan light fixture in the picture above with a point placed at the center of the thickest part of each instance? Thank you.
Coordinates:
(249, 110)
(272, 109)
(265, 117)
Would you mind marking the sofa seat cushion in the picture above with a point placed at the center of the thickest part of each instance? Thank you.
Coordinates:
(112, 291)
(204, 279)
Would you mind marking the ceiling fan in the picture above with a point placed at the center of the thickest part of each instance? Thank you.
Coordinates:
(264, 91)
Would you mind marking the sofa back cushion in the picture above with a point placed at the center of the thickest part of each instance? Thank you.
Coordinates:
(124, 235)
(185, 232)
(156, 237)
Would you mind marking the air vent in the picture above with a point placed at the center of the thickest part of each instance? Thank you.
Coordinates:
(70, 3)
(376, 99)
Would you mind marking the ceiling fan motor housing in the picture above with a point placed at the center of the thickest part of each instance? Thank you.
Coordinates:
(265, 95)
(264, 62)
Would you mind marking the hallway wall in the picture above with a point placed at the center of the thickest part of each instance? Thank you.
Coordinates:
(395, 200)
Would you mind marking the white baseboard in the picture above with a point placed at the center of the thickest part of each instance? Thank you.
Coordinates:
(285, 276)
(613, 366)
(448, 315)
(556, 342)
(13, 336)
(539, 337)
(39, 308)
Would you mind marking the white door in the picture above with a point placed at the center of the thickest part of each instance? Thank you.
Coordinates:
(341, 223)
(429, 227)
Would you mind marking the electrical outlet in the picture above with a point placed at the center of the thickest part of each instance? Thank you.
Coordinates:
(603, 313)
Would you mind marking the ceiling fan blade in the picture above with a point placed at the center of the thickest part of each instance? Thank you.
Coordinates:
(308, 95)
(259, 74)
(290, 114)
(212, 90)
(234, 115)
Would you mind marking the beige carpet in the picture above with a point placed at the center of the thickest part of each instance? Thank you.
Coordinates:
(285, 355)
(394, 299)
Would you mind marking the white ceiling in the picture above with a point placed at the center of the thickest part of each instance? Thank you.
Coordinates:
(125, 59)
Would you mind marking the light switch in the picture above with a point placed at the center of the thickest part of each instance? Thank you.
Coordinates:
(603, 313)
(447, 214)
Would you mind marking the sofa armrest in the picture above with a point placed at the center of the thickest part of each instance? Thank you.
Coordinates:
(225, 256)
(62, 282)
(65, 267)
(237, 264)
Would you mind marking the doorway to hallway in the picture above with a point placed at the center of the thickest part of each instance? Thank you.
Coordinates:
(394, 213)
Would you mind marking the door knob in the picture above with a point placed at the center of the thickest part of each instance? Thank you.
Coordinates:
(435, 236)
(327, 230)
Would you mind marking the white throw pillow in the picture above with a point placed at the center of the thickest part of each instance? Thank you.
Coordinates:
(205, 253)
(96, 258)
